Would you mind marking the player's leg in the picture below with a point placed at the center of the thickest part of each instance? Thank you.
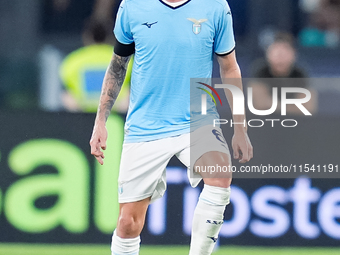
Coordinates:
(125, 239)
(141, 181)
(207, 148)
(208, 215)
(131, 218)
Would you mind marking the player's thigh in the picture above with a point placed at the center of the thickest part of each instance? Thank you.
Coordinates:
(207, 157)
(142, 170)
(217, 168)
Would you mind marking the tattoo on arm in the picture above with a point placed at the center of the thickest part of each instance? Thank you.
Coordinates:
(112, 84)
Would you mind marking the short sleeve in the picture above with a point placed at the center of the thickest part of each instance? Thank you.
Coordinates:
(122, 29)
(224, 37)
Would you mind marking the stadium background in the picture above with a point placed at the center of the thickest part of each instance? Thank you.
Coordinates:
(55, 198)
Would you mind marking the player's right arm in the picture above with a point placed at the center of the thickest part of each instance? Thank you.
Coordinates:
(113, 81)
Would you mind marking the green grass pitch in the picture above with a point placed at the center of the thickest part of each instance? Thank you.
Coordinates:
(34, 249)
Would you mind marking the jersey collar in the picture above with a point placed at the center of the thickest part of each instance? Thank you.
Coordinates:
(166, 4)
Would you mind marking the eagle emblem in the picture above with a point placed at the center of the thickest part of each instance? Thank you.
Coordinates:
(196, 27)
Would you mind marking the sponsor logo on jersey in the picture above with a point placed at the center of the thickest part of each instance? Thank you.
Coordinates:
(149, 24)
(196, 27)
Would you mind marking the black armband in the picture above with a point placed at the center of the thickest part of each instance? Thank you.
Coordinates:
(124, 50)
(226, 53)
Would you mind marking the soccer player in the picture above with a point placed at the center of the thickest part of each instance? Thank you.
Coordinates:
(173, 41)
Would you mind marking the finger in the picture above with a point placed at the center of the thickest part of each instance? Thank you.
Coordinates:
(100, 159)
(103, 145)
(93, 150)
(98, 146)
(245, 155)
(96, 151)
(242, 161)
(236, 153)
(94, 144)
(250, 152)
(98, 154)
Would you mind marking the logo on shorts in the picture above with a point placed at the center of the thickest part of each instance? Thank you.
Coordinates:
(196, 27)
(120, 187)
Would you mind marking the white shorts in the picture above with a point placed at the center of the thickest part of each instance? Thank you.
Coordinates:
(142, 168)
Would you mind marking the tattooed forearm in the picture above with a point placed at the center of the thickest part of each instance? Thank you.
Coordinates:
(112, 84)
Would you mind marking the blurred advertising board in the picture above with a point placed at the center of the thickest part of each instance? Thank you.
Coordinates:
(53, 191)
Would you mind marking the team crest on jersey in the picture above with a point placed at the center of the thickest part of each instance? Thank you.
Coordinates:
(196, 27)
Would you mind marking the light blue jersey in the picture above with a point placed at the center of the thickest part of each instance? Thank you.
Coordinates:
(172, 45)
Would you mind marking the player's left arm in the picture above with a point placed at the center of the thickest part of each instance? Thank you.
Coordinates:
(230, 73)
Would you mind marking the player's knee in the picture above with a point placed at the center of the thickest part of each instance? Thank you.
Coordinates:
(215, 169)
(129, 226)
